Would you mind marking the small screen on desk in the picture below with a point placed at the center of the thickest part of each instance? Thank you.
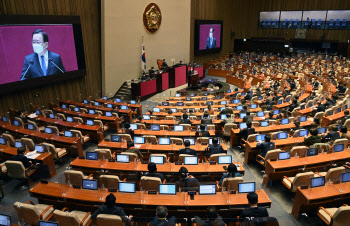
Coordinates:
(191, 140)
(118, 100)
(243, 94)
(317, 182)
(123, 107)
(139, 140)
(133, 102)
(322, 130)
(338, 147)
(225, 159)
(330, 112)
(302, 107)
(178, 128)
(223, 102)
(312, 152)
(302, 118)
(48, 130)
(240, 107)
(192, 94)
(52, 116)
(90, 184)
(133, 126)
(97, 103)
(16, 123)
(207, 189)
(31, 126)
(123, 158)
(246, 187)
(282, 136)
(89, 122)
(284, 155)
(178, 95)
(165, 103)
(180, 103)
(242, 115)
(253, 106)
(68, 134)
(146, 117)
(109, 114)
(310, 104)
(236, 101)
(156, 109)
(303, 133)
(205, 109)
(229, 91)
(204, 98)
(279, 102)
(339, 110)
(209, 103)
(92, 112)
(264, 123)
(199, 127)
(288, 99)
(104, 98)
(345, 177)
(39, 148)
(115, 138)
(242, 125)
(109, 106)
(38, 112)
(76, 109)
(91, 155)
(285, 121)
(223, 117)
(205, 94)
(86, 101)
(174, 110)
(260, 138)
(188, 98)
(276, 112)
(5, 220)
(155, 127)
(164, 141)
(211, 140)
(222, 108)
(2, 141)
(167, 189)
(157, 159)
(260, 97)
(260, 114)
(127, 187)
(18, 144)
(191, 160)
(69, 119)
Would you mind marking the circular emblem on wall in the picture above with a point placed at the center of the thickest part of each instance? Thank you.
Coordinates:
(152, 17)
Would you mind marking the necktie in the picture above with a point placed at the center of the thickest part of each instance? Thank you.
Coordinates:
(43, 65)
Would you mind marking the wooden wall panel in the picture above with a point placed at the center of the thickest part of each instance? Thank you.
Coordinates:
(241, 17)
(89, 85)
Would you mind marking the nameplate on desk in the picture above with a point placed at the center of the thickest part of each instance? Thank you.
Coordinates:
(44, 181)
(191, 192)
(178, 163)
(81, 157)
(233, 192)
(152, 192)
(304, 187)
(111, 160)
(212, 163)
(144, 162)
(76, 186)
(112, 190)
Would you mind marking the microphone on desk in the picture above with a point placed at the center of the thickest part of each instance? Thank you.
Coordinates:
(51, 60)
(30, 64)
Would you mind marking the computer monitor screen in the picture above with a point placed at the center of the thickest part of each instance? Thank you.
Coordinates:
(174, 110)
(64, 106)
(264, 123)
(225, 159)
(205, 94)
(4, 119)
(18, 144)
(156, 109)
(211, 140)
(188, 98)
(178, 128)
(89, 122)
(240, 107)
(260, 98)
(48, 130)
(5, 220)
(139, 140)
(253, 106)
(229, 91)
(279, 102)
(345, 106)
(104, 98)
(109, 106)
(68, 134)
(127, 187)
(52, 116)
(191, 140)
(38, 112)
(302, 118)
(322, 130)
(207, 189)
(204, 98)
(97, 103)
(317, 182)
(146, 117)
(311, 152)
(276, 112)
(192, 94)
(242, 115)
(155, 127)
(167, 189)
(178, 95)
(303, 133)
(157, 159)
(123, 158)
(39, 149)
(133, 126)
(246, 187)
(285, 121)
(310, 104)
(330, 113)
(223, 117)
(69, 119)
(236, 101)
(223, 102)
(283, 135)
(91, 155)
(205, 109)
(191, 160)
(164, 141)
(180, 103)
(2, 141)
(243, 94)
(288, 99)
(118, 100)
(260, 114)
(302, 107)
(222, 108)
(86, 101)
(76, 109)
(90, 184)
(16, 123)
(109, 114)
(133, 102)
(260, 137)
(165, 103)
(31, 126)
(210, 102)
(242, 125)
(284, 155)
(124, 107)
(116, 138)
(345, 177)
(338, 147)
(199, 127)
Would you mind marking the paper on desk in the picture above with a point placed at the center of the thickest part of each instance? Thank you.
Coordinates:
(32, 155)
(32, 115)
(137, 146)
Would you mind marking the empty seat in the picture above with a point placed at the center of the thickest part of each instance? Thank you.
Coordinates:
(178, 141)
(227, 129)
(272, 154)
(333, 174)
(28, 143)
(75, 177)
(74, 218)
(99, 123)
(104, 153)
(31, 214)
(77, 133)
(54, 129)
(231, 183)
(301, 179)
(215, 157)
(57, 153)
(109, 219)
(78, 120)
(125, 137)
(202, 140)
(150, 183)
(298, 150)
(150, 139)
(186, 126)
(9, 139)
(335, 216)
(109, 181)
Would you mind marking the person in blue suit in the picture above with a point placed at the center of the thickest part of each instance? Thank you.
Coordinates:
(211, 41)
(42, 62)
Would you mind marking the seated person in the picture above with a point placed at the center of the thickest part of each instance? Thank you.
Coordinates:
(248, 117)
(226, 110)
(161, 217)
(345, 133)
(209, 111)
(202, 132)
(254, 210)
(185, 120)
(316, 123)
(187, 150)
(244, 110)
(265, 146)
(164, 64)
(170, 112)
(213, 218)
(331, 135)
(244, 133)
(320, 107)
(297, 127)
(206, 120)
(346, 117)
(151, 71)
(270, 116)
(131, 149)
(152, 171)
(215, 148)
(127, 129)
(110, 208)
(231, 172)
(187, 182)
(293, 105)
(21, 157)
(313, 139)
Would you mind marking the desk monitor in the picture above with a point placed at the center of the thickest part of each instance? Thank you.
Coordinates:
(317, 182)
(312, 152)
(302, 107)
(5, 219)
(4, 119)
(236, 101)
(2, 141)
(225, 159)
(180, 103)
(91, 155)
(303, 133)
(229, 91)
(48, 130)
(86, 101)
(104, 98)
(177, 94)
(260, 97)
(284, 155)
(15, 122)
(246, 187)
(207, 189)
(132, 101)
(123, 107)
(156, 109)
(199, 127)
(39, 149)
(109, 114)
(253, 106)
(204, 98)
(205, 109)
(18, 144)
(330, 112)
(283, 135)
(223, 117)
(242, 125)
(339, 126)
(64, 106)
(192, 94)
(139, 140)
(322, 130)
(165, 103)
(123, 158)
(276, 112)
(264, 123)
(222, 108)
(68, 134)
(223, 102)
(191, 140)
(30, 126)
(279, 102)
(188, 98)
(240, 107)
(155, 127)
(157, 159)
(310, 104)
(90, 184)
(146, 117)
(260, 137)
(174, 110)
(260, 114)
(288, 99)
(302, 119)
(133, 126)
(210, 103)
(90, 122)
(116, 138)
(190, 109)
(191, 160)
(97, 103)
(211, 140)
(69, 119)
(243, 94)
(338, 147)
(178, 128)
(52, 116)
(345, 106)
(118, 100)
(167, 189)
(242, 115)
(205, 94)
(127, 187)
(164, 141)
(345, 177)
(76, 109)
(109, 106)
(285, 121)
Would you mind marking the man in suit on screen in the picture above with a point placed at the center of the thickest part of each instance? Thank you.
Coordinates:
(42, 62)
(211, 41)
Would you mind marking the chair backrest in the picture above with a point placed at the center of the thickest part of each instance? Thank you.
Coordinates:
(231, 183)
(272, 122)
(164, 127)
(27, 213)
(319, 115)
(9, 139)
(341, 216)
(202, 140)
(141, 126)
(215, 157)
(74, 177)
(28, 143)
(169, 117)
(78, 120)
(61, 116)
(298, 150)
(210, 127)
(302, 179)
(274, 135)
(150, 139)
(174, 140)
(150, 183)
(66, 218)
(104, 153)
(296, 133)
(109, 219)
(125, 137)
(272, 154)
(182, 157)
(77, 133)
(109, 181)
(98, 123)
(347, 124)
(52, 149)
(97, 112)
(54, 129)
(335, 174)
(186, 126)
(321, 147)
(252, 137)
(228, 127)
(15, 169)
(132, 156)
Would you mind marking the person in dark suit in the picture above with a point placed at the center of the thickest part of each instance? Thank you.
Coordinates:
(328, 103)
(320, 107)
(244, 133)
(346, 117)
(187, 182)
(226, 110)
(151, 71)
(202, 132)
(164, 64)
(127, 129)
(332, 135)
(213, 218)
(185, 119)
(254, 210)
(313, 139)
(161, 217)
(215, 148)
(293, 105)
(206, 120)
(42, 62)
(244, 110)
(266, 146)
(248, 117)
(152, 171)
(187, 150)
(211, 41)
(21, 157)
(231, 172)
(110, 208)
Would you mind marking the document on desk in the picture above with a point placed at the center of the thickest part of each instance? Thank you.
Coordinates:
(32, 155)
(32, 115)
